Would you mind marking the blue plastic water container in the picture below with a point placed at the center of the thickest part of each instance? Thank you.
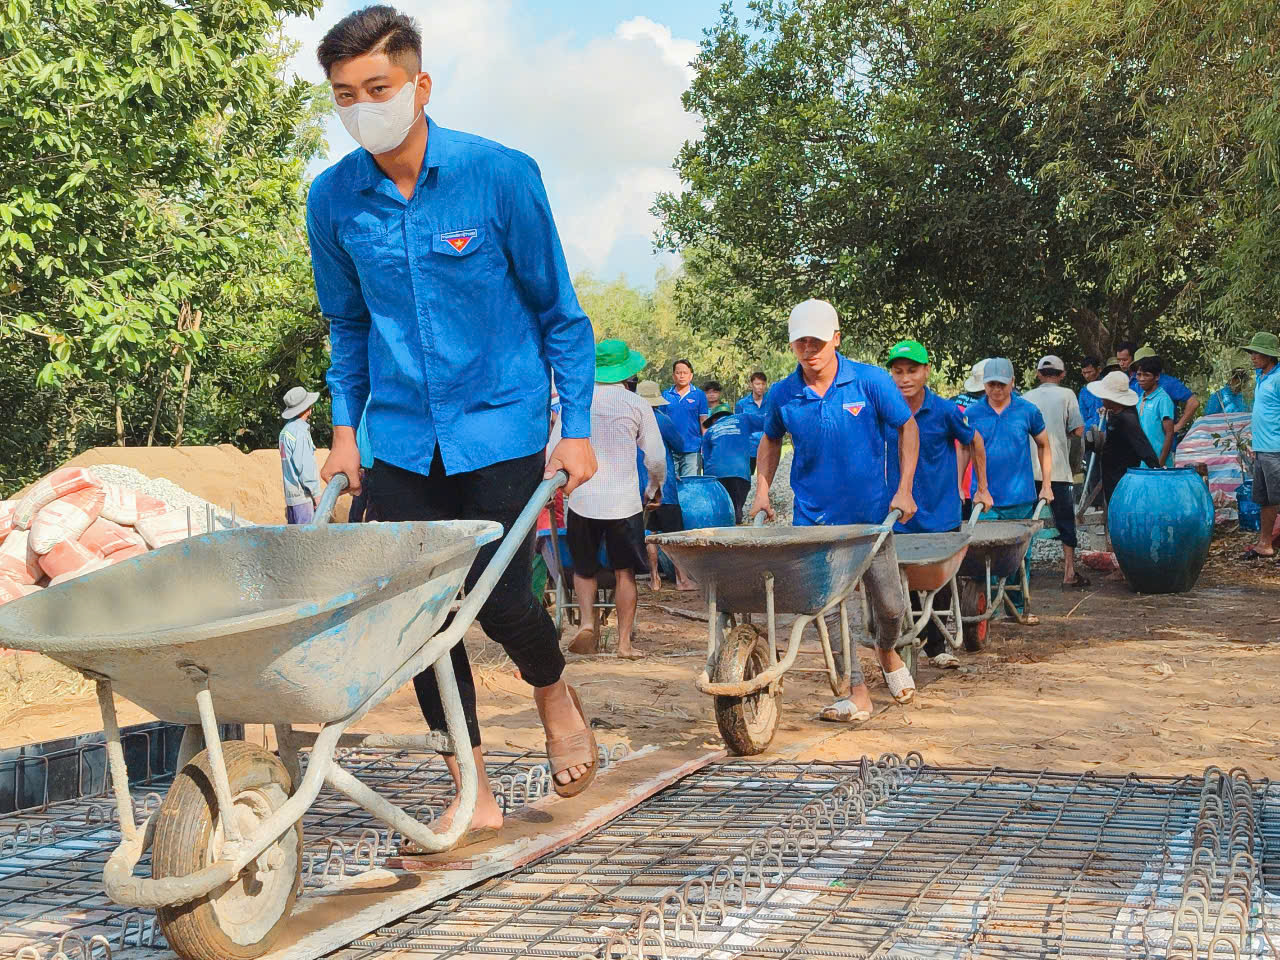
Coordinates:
(1249, 512)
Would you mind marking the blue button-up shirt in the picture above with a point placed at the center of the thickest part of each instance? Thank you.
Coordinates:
(454, 305)
(1266, 416)
(686, 413)
(936, 488)
(1090, 409)
(1004, 435)
(754, 414)
(838, 469)
(726, 448)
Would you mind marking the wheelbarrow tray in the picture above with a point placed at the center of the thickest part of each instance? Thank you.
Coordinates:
(930, 560)
(300, 624)
(1004, 541)
(811, 566)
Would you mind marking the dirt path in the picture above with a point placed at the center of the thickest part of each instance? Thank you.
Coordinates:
(1108, 681)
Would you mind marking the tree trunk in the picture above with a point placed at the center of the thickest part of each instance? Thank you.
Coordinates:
(155, 413)
(184, 324)
(119, 425)
(186, 387)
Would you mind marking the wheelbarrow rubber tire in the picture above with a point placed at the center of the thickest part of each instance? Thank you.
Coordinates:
(243, 920)
(746, 723)
(973, 602)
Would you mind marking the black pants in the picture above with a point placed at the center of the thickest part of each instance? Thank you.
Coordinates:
(738, 488)
(511, 616)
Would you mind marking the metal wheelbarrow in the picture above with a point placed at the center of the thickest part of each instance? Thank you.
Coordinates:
(806, 571)
(929, 563)
(279, 625)
(997, 552)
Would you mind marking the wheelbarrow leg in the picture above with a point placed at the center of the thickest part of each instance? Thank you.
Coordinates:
(192, 743)
(287, 743)
(217, 764)
(115, 760)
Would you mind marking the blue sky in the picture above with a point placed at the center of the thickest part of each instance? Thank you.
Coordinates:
(590, 89)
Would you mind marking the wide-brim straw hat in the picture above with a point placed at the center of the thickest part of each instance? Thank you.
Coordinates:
(1114, 387)
(650, 391)
(975, 383)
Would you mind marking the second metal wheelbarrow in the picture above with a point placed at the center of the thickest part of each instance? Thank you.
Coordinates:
(929, 563)
(807, 571)
(279, 625)
(997, 552)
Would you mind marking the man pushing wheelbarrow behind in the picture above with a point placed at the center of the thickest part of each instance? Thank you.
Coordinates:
(838, 412)
(439, 268)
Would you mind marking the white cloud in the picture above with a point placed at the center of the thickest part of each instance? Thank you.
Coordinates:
(603, 117)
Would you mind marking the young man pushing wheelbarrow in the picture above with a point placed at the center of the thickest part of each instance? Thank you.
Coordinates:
(439, 268)
(838, 413)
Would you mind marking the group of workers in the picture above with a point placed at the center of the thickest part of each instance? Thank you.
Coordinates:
(441, 273)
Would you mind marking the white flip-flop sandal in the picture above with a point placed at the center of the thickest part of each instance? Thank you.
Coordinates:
(901, 687)
(946, 661)
(844, 711)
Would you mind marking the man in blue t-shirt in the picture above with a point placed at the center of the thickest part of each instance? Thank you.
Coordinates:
(838, 413)
(1181, 395)
(1090, 405)
(1006, 422)
(1264, 349)
(726, 454)
(752, 407)
(687, 407)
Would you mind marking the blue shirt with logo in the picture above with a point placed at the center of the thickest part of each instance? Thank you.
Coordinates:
(754, 414)
(838, 468)
(455, 305)
(936, 488)
(726, 448)
(1005, 437)
(1266, 415)
(686, 413)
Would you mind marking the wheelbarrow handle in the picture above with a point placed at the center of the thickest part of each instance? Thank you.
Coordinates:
(760, 517)
(336, 486)
(974, 514)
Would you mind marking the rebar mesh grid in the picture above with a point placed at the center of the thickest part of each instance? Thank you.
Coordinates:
(51, 857)
(888, 860)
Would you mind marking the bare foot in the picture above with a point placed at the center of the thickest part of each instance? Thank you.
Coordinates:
(629, 652)
(688, 586)
(655, 582)
(560, 717)
(585, 641)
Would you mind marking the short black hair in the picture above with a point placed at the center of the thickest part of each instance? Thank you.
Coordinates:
(1150, 365)
(680, 361)
(1127, 345)
(376, 29)
(759, 375)
(712, 385)
(1091, 361)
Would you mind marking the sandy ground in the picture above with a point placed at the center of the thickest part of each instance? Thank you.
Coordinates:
(1108, 681)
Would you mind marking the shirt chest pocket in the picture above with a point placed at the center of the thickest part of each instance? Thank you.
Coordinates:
(458, 243)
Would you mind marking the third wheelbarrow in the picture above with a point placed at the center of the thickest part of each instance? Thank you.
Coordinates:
(997, 552)
(279, 625)
(806, 571)
(929, 563)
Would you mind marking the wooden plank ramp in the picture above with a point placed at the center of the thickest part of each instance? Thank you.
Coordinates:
(356, 906)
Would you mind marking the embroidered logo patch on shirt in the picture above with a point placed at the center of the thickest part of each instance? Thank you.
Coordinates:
(855, 408)
(459, 239)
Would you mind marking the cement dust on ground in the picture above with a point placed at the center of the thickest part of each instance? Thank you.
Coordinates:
(1108, 681)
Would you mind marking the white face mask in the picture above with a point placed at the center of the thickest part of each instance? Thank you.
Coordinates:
(379, 127)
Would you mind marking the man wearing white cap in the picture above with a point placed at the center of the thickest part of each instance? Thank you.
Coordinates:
(1062, 419)
(298, 457)
(838, 413)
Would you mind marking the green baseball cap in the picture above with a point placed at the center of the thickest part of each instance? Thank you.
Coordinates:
(718, 411)
(1267, 344)
(615, 361)
(908, 350)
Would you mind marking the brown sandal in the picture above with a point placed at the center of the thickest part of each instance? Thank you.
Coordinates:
(576, 749)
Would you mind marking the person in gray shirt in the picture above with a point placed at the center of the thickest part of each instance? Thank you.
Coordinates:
(298, 457)
(1061, 411)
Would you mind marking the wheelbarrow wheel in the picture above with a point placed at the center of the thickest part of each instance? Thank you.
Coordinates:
(241, 920)
(746, 723)
(973, 603)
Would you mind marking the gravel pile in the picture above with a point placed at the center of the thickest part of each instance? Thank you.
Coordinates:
(780, 494)
(173, 495)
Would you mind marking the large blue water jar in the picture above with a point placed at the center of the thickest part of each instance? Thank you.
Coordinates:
(705, 503)
(1160, 523)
